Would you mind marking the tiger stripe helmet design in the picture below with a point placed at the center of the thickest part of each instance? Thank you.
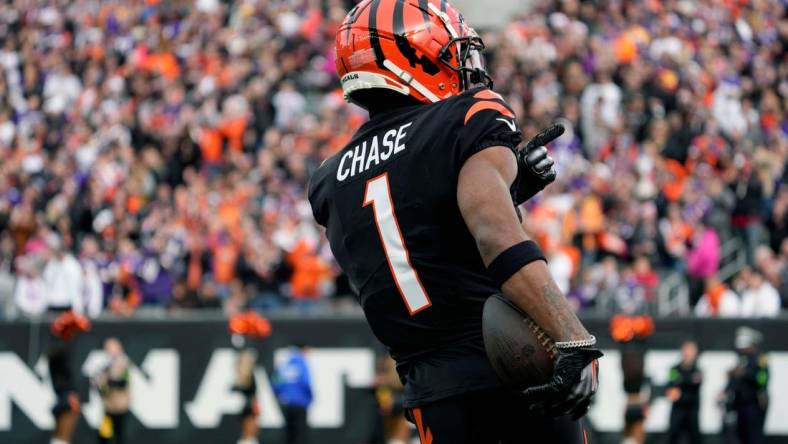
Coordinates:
(419, 48)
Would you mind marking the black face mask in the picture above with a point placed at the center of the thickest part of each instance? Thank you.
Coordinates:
(462, 54)
(468, 63)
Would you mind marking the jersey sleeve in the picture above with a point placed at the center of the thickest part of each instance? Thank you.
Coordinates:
(485, 120)
(316, 194)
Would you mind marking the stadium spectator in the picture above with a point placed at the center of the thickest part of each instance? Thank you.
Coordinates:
(774, 269)
(703, 260)
(6, 277)
(598, 285)
(783, 270)
(30, 291)
(759, 298)
(778, 222)
(646, 276)
(311, 275)
(718, 301)
(92, 293)
(62, 277)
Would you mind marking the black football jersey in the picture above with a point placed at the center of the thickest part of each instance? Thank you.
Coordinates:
(388, 201)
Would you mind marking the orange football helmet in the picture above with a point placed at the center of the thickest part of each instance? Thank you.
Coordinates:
(419, 48)
(250, 324)
(69, 324)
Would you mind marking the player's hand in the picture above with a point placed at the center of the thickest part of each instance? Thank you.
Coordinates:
(574, 383)
(536, 169)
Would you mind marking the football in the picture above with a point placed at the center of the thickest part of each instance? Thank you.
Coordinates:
(521, 353)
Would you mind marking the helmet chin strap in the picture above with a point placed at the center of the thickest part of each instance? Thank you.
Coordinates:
(409, 80)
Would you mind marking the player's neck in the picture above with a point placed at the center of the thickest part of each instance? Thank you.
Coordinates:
(391, 102)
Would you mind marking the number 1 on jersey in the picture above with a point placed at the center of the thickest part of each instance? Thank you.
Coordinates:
(378, 194)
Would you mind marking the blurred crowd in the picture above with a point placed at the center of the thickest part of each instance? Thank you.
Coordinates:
(157, 152)
(674, 168)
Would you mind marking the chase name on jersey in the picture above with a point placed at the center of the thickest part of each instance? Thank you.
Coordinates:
(371, 152)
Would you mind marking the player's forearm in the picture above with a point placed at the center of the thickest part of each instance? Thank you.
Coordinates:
(490, 216)
(535, 292)
(532, 288)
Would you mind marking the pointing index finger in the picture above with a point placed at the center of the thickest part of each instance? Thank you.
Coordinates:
(545, 136)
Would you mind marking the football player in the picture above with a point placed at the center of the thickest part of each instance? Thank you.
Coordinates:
(66, 410)
(419, 213)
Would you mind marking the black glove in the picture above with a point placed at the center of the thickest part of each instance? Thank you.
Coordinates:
(574, 383)
(535, 168)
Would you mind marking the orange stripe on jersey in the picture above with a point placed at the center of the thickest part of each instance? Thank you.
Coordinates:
(481, 106)
(488, 94)
(425, 435)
